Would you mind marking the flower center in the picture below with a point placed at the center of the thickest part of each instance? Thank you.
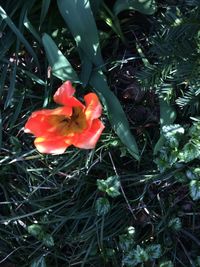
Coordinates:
(76, 123)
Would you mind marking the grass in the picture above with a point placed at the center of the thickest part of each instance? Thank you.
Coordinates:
(97, 207)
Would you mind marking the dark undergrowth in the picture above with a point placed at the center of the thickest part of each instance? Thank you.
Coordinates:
(131, 201)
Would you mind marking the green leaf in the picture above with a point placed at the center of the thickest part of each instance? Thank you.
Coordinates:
(11, 88)
(172, 134)
(166, 264)
(195, 189)
(102, 206)
(167, 116)
(1, 130)
(193, 173)
(35, 230)
(19, 35)
(44, 10)
(38, 232)
(31, 28)
(39, 262)
(116, 114)
(189, 152)
(147, 7)
(175, 224)
(95, 5)
(154, 251)
(126, 242)
(79, 18)
(61, 67)
(48, 241)
(110, 186)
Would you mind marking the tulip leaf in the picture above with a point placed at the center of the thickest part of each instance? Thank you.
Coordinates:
(31, 28)
(147, 7)
(44, 10)
(61, 67)
(80, 20)
(116, 114)
(95, 5)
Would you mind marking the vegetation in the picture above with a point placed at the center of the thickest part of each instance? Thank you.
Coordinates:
(133, 200)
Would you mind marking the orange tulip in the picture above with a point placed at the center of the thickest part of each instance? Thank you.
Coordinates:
(70, 124)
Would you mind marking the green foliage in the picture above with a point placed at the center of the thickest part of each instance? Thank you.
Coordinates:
(61, 67)
(166, 264)
(175, 50)
(141, 255)
(102, 206)
(146, 7)
(195, 189)
(110, 186)
(40, 262)
(38, 232)
(175, 224)
(173, 150)
(116, 114)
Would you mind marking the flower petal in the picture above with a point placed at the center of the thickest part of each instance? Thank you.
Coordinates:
(39, 121)
(64, 96)
(93, 106)
(88, 138)
(55, 145)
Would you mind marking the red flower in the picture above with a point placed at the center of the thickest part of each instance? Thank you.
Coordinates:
(71, 124)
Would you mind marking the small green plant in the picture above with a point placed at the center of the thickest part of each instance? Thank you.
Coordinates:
(181, 149)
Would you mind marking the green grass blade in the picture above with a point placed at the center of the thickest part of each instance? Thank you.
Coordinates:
(11, 88)
(18, 34)
(147, 7)
(79, 18)
(116, 114)
(6, 42)
(1, 129)
(33, 77)
(31, 28)
(3, 77)
(61, 68)
(17, 111)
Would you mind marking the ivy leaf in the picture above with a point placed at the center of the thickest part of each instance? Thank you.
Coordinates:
(39, 262)
(110, 186)
(140, 254)
(193, 173)
(166, 264)
(127, 241)
(195, 189)
(38, 232)
(48, 240)
(35, 230)
(102, 206)
(175, 224)
(172, 134)
(154, 251)
(194, 130)
(190, 152)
